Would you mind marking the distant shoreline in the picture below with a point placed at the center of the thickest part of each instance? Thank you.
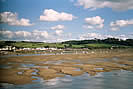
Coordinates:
(97, 53)
(62, 52)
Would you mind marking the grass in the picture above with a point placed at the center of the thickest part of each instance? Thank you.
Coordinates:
(99, 45)
(61, 45)
(77, 46)
(38, 45)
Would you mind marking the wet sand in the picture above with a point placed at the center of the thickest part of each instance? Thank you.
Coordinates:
(22, 69)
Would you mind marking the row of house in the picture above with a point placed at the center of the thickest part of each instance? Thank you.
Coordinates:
(37, 49)
(10, 48)
(7, 48)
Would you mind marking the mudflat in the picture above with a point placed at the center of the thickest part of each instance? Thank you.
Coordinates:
(21, 69)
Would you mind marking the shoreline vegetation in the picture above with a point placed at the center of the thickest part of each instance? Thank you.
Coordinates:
(72, 47)
(24, 70)
(73, 44)
(63, 52)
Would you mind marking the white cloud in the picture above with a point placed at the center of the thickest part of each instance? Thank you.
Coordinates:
(103, 36)
(6, 34)
(44, 36)
(58, 27)
(35, 35)
(120, 23)
(12, 19)
(40, 34)
(115, 29)
(59, 32)
(114, 4)
(90, 36)
(94, 22)
(22, 34)
(52, 15)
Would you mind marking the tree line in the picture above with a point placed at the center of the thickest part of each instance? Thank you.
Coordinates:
(92, 43)
(127, 42)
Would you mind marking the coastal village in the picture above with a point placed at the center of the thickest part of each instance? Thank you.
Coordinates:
(10, 49)
(7, 49)
(57, 49)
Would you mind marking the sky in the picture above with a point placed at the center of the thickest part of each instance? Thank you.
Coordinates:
(62, 20)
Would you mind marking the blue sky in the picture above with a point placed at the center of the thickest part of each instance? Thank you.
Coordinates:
(60, 20)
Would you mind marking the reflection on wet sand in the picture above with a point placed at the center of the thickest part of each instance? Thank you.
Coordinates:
(64, 70)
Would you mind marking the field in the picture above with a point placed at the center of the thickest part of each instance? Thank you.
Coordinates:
(24, 44)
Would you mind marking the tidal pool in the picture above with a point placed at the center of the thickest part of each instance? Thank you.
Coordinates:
(119, 79)
(92, 71)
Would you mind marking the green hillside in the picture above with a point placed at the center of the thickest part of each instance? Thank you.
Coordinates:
(95, 43)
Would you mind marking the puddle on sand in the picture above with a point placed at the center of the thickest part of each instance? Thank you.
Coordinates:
(6, 86)
(104, 80)
(40, 67)
(76, 60)
(115, 59)
(78, 69)
(5, 66)
(54, 62)
(19, 73)
(27, 65)
(24, 68)
(35, 72)
(37, 79)
(77, 64)
(99, 68)
(61, 61)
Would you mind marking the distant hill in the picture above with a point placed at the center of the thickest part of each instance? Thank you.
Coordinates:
(127, 42)
(93, 43)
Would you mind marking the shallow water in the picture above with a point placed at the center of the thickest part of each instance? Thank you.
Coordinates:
(14, 55)
(26, 55)
(107, 80)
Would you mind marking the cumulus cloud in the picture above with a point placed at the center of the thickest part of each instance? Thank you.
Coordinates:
(90, 36)
(58, 27)
(103, 36)
(52, 15)
(120, 23)
(59, 32)
(12, 19)
(6, 34)
(44, 36)
(40, 34)
(22, 34)
(114, 4)
(94, 23)
(35, 35)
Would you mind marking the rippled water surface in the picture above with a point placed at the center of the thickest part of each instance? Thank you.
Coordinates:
(106, 80)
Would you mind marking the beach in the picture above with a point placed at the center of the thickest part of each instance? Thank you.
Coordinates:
(22, 70)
